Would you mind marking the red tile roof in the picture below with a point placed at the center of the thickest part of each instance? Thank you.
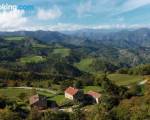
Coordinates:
(71, 90)
(94, 94)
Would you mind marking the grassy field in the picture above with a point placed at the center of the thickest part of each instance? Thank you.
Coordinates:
(32, 59)
(84, 64)
(17, 38)
(62, 51)
(47, 94)
(124, 79)
(39, 46)
(13, 93)
(60, 99)
(93, 88)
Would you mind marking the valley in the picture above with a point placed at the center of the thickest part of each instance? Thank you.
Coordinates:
(46, 64)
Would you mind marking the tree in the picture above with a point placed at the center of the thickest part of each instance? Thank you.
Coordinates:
(78, 84)
(109, 101)
(135, 90)
(7, 114)
(28, 84)
(49, 84)
(100, 78)
(77, 114)
(99, 113)
(54, 115)
(123, 71)
(16, 84)
(22, 96)
(65, 84)
(34, 115)
(2, 101)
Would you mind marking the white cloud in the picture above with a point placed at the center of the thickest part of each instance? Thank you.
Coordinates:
(71, 27)
(84, 8)
(133, 4)
(130, 5)
(12, 20)
(53, 13)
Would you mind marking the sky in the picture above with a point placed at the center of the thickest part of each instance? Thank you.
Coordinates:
(59, 15)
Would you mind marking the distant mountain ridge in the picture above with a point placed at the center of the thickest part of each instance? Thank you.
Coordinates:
(118, 38)
(41, 35)
(139, 37)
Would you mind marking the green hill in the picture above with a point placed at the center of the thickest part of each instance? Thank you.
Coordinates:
(14, 38)
(85, 65)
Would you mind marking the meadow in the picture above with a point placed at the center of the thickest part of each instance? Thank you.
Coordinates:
(63, 52)
(32, 59)
(84, 64)
(13, 38)
(125, 79)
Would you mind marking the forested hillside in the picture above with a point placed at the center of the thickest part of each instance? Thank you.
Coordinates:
(24, 57)
(46, 51)
(113, 64)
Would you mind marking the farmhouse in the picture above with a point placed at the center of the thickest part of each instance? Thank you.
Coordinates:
(95, 96)
(38, 101)
(72, 93)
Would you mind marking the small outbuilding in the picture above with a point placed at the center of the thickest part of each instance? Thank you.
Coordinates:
(38, 101)
(95, 96)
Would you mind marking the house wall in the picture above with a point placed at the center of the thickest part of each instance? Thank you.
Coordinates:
(69, 96)
(97, 100)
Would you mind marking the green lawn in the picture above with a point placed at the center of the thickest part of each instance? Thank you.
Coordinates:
(60, 99)
(124, 79)
(47, 94)
(62, 51)
(84, 64)
(32, 59)
(93, 88)
(14, 38)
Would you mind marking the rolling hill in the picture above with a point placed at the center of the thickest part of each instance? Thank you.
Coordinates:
(109, 49)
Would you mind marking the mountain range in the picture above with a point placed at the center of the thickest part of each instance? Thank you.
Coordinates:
(111, 48)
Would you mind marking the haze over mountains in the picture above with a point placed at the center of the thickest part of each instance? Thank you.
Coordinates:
(139, 37)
